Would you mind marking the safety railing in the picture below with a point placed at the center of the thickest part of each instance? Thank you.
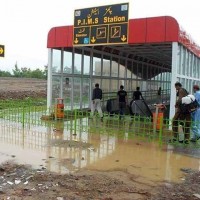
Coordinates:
(29, 114)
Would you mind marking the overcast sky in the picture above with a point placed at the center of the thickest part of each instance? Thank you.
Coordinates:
(24, 24)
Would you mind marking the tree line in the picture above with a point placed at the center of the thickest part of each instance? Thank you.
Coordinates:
(25, 72)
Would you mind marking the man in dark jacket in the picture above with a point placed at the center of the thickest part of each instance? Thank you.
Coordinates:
(179, 117)
(96, 100)
(122, 98)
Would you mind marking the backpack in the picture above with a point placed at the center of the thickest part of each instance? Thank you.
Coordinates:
(189, 104)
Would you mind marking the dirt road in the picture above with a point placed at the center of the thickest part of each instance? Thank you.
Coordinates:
(20, 88)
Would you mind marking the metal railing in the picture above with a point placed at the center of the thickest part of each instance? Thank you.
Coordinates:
(31, 116)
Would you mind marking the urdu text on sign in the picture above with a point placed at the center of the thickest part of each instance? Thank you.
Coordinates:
(101, 25)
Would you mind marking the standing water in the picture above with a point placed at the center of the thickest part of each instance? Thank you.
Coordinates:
(62, 148)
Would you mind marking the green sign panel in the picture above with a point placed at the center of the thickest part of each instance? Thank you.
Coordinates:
(2, 50)
(101, 25)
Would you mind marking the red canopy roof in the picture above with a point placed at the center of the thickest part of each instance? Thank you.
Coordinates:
(141, 31)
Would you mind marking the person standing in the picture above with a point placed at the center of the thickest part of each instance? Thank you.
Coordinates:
(96, 101)
(137, 94)
(179, 117)
(159, 91)
(159, 98)
(195, 129)
(122, 99)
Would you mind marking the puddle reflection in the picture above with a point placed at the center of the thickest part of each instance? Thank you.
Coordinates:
(63, 148)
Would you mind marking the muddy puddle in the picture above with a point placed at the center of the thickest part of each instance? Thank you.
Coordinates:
(62, 149)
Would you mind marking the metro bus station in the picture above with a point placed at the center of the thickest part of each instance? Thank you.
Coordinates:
(112, 51)
(61, 148)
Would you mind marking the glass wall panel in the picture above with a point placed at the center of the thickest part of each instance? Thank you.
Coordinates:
(139, 70)
(77, 63)
(149, 75)
(187, 64)
(77, 90)
(169, 78)
(183, 82)
(106, 93)
(129, 69)
(134, 70)
(105, 84)
(198, 71)
(85, 93)
(180, 60)
(67, 66)
(67, 88)
(194, 71)
(184, 62)
(128, 85)
(134, 84)
(165, 80)
(114, 85)
(106, 67)
(86, 67)
(122, 69)
(115, 66)
(121, 82)
(55, 88)
(190, 87)
(56, 64)
(97, 67)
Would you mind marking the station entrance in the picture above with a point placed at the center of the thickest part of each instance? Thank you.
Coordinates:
(158, 54)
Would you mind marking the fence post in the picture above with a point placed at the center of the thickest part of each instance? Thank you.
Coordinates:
(75, 118)
(23, 116)
(161, 131)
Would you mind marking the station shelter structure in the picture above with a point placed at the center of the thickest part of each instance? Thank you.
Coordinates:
(158, 54)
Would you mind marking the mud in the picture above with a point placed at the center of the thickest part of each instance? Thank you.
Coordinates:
(188, 190)
(20, 88)
(22, 182)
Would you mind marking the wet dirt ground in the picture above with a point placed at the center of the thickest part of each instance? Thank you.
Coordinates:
(22, 182)
(64, 164)
(20, 88)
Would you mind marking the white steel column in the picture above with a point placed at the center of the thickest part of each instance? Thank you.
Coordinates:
(61, 72)
(49, 80)
(81, 85)
(132, 75)
(175, 58)
(110, 75)
(102, 67)
(118, 71)
(125, 73)
(72, 80)
(91, 74)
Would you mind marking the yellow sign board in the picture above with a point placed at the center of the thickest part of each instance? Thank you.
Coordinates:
(2, 50)
(101, 25)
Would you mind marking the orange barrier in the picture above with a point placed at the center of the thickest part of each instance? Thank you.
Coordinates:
(158, 116)
(59, 108)
(159, 120)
